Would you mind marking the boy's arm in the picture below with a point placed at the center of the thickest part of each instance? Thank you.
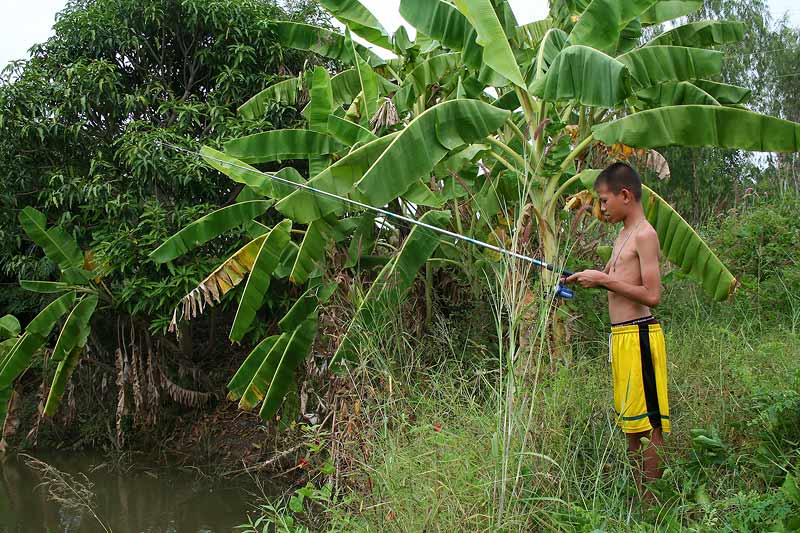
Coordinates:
(649, 292)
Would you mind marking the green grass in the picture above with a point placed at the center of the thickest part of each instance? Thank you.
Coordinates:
(435, 451)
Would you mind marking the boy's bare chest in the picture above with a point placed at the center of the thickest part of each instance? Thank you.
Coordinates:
(625, 260)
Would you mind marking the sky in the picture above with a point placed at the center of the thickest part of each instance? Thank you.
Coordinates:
(27, 22)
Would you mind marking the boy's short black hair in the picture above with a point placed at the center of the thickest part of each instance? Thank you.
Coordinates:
(618, 176)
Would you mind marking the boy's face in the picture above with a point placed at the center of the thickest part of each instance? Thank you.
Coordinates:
(615, 207)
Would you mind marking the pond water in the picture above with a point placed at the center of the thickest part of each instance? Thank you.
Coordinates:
(152, 500)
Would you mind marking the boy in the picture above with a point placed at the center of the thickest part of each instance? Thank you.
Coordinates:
(636, 342)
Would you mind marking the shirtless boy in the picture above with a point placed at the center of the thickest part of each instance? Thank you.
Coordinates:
(638, 355)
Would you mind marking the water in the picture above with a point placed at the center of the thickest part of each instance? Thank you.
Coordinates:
(156, 500)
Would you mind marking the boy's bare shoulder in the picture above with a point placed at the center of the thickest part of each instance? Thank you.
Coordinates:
(647, 238)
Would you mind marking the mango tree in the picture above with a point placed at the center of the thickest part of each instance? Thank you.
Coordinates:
(498, 120)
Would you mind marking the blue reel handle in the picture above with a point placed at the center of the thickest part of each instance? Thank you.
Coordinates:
(563, 292)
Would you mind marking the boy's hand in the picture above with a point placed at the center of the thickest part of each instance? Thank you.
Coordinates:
(589, 278)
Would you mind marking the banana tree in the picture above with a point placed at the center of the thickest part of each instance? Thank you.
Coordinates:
(478, 113)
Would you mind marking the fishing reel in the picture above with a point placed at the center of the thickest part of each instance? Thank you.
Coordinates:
(561, 290)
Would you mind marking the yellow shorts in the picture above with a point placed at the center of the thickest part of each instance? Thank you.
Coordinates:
(639, 365)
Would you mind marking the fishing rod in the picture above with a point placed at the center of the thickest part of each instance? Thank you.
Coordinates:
(560, 290)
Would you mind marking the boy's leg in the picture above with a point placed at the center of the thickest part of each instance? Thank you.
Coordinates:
(650, 470)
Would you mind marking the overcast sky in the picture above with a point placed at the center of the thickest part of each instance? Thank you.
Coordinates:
(26, 22)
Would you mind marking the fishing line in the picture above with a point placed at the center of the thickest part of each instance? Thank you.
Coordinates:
(562, 291)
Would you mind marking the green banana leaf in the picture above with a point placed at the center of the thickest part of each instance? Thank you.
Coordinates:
(244, 375)
(348, 133)
(238, 171)
(282, 189)
(702, 34)
(392, 282)
(265, 263)
(297, 349)
(362, 242)
(44, 287)
(368, 81)
(321, 104)
(553, 42)
(699, 125)
(533, 33)
(574, 74)
(304, 206)
(652, 65)
(676, 94)
(64, 371)
(430, 137)
(359, 20)
(59, 247)
(281, 145)
(427, 73)
(43, 323)
(420, 194)
(497, 52)
(438, 20)
(19, 358)
(346, 85)
(321, 41)
(285, 92)
(312, 251)
(254, 392)
(667, 10)
(686, 249)
(723, 93)
(208, 227)
(601, 24)
(305, 306)
(76, 328)
(9, 327)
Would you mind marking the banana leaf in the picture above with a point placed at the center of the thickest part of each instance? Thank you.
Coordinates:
(9, 327)
(312, 251)
(304, 206)
(281, 145)
(306, 305)
(497, 52)
(76, 328)
(254, 392)
(244, 375)
(346, 85)
(699, 125)
(266, 261)
(686, 249)
(426, 74)
(348, 133)
(667, 10)
(392, 283)
(321, 104)
(359, 20)
(284, 92)
(362, 242)
(44, 287)
(533, 33)
(238, 171)
(675, 94)
(64, 371)
(438, 20)
(208, 227)
(321, 41)
(601, 24)
(722, 92)
(553, 42)
(19, 358)
(574, 75)
(420, 194)
(652, 65)
(702, 34)
(368, 81)
(297, 349)
(43, 323)
(58, 246)
(430, 137)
